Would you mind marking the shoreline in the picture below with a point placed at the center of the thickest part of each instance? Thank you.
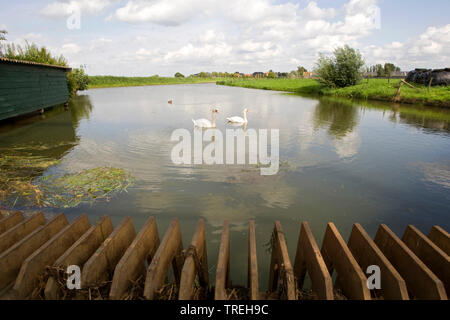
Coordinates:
(375, 90)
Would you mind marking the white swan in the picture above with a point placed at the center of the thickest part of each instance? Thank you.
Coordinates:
(205, 123)
(239, 119)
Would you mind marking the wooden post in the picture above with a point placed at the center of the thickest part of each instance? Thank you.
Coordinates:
(308, 258)
(367, 253)
(281, 274)
(132, 265)
(422, 283)
(170, 251)
(252, 277)
(430, 254)
(195, 264)
(441, 238)
(223, 264)
(337, 255)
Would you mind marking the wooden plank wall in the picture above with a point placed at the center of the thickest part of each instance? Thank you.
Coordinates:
(28, 88)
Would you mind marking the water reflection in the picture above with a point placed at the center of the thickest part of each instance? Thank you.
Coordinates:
(341, 161)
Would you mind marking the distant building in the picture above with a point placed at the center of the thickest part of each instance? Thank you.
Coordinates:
(258, 74)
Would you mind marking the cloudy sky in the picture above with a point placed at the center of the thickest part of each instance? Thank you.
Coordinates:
(147, 37)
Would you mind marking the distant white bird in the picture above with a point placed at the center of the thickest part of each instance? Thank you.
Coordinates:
(239, 119)
(205, 123)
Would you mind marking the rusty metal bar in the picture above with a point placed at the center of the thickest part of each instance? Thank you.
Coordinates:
(223, 264)
(430, 254)
(309, 259)
(100, 266)
(337, 256)
(132, 264)
(281, 277)
(195, 264)
(169, 252)
(441, 238)
(366, 253)
(253, 284)
(421, 282)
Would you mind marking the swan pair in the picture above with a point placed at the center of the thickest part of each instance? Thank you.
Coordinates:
(205, 123)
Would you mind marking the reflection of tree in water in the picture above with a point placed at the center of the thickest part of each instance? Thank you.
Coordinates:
(80, 108)
(423, 121)
(31, 145)
(340, 118)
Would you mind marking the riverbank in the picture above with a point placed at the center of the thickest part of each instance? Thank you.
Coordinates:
(111, 81)
(374, 89)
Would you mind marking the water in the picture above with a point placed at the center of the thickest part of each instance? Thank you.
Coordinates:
(341, 162)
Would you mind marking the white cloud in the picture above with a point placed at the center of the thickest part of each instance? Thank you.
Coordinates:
(431, 49)
(61, 8)
(71, 48)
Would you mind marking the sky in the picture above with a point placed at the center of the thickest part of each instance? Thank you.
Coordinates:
(148, 37)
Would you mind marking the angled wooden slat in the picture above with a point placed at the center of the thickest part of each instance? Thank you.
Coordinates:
(421, 282)
(132, 264)
(308, 258)
(80, 252)
(20, 231)
(169, 252)
(337, 255)
(12, 259)
(10, 221)
(366, 253)
(430, 254)
(46, 255)
(223, 264)
(441, 238)
(252, 277)
(195, 264)
(100, 266)
(281, 272)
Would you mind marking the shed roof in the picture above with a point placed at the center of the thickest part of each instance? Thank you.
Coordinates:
(2, 60)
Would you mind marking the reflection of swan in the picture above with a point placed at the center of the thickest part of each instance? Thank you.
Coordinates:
(239, 119)
(205, 123)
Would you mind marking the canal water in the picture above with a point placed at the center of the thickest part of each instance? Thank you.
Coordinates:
(340, 161)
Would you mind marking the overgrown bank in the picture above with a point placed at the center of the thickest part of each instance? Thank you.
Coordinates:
(373, 89)
(112, 81)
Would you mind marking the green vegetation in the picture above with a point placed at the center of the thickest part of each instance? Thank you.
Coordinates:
(178, 75)
(31, 52)
(343, 70)
(373, 89)
(77, 80)
(23, 183)
(111, 81)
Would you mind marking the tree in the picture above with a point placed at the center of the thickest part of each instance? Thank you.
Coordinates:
(301, 70)
(342, 70)
(179, 75)
(271, 74)
(77, 80)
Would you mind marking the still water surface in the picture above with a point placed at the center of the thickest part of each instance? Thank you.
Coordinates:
(340, 161)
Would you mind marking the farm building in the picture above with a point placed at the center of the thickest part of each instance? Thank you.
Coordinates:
(27, 87)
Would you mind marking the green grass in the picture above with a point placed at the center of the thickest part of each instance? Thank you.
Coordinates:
(375, 89)
(111, 81)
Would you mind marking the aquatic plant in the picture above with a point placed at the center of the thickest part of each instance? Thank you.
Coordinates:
(24, 184)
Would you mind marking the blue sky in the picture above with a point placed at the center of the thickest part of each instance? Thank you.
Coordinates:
(146, 37)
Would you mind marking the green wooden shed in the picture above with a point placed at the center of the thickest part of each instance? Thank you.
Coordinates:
(27, 87)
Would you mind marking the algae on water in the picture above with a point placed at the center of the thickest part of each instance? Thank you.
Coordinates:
(23, 183)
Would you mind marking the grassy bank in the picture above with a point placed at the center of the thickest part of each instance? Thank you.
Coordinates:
(375, 89)
(110, 81)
